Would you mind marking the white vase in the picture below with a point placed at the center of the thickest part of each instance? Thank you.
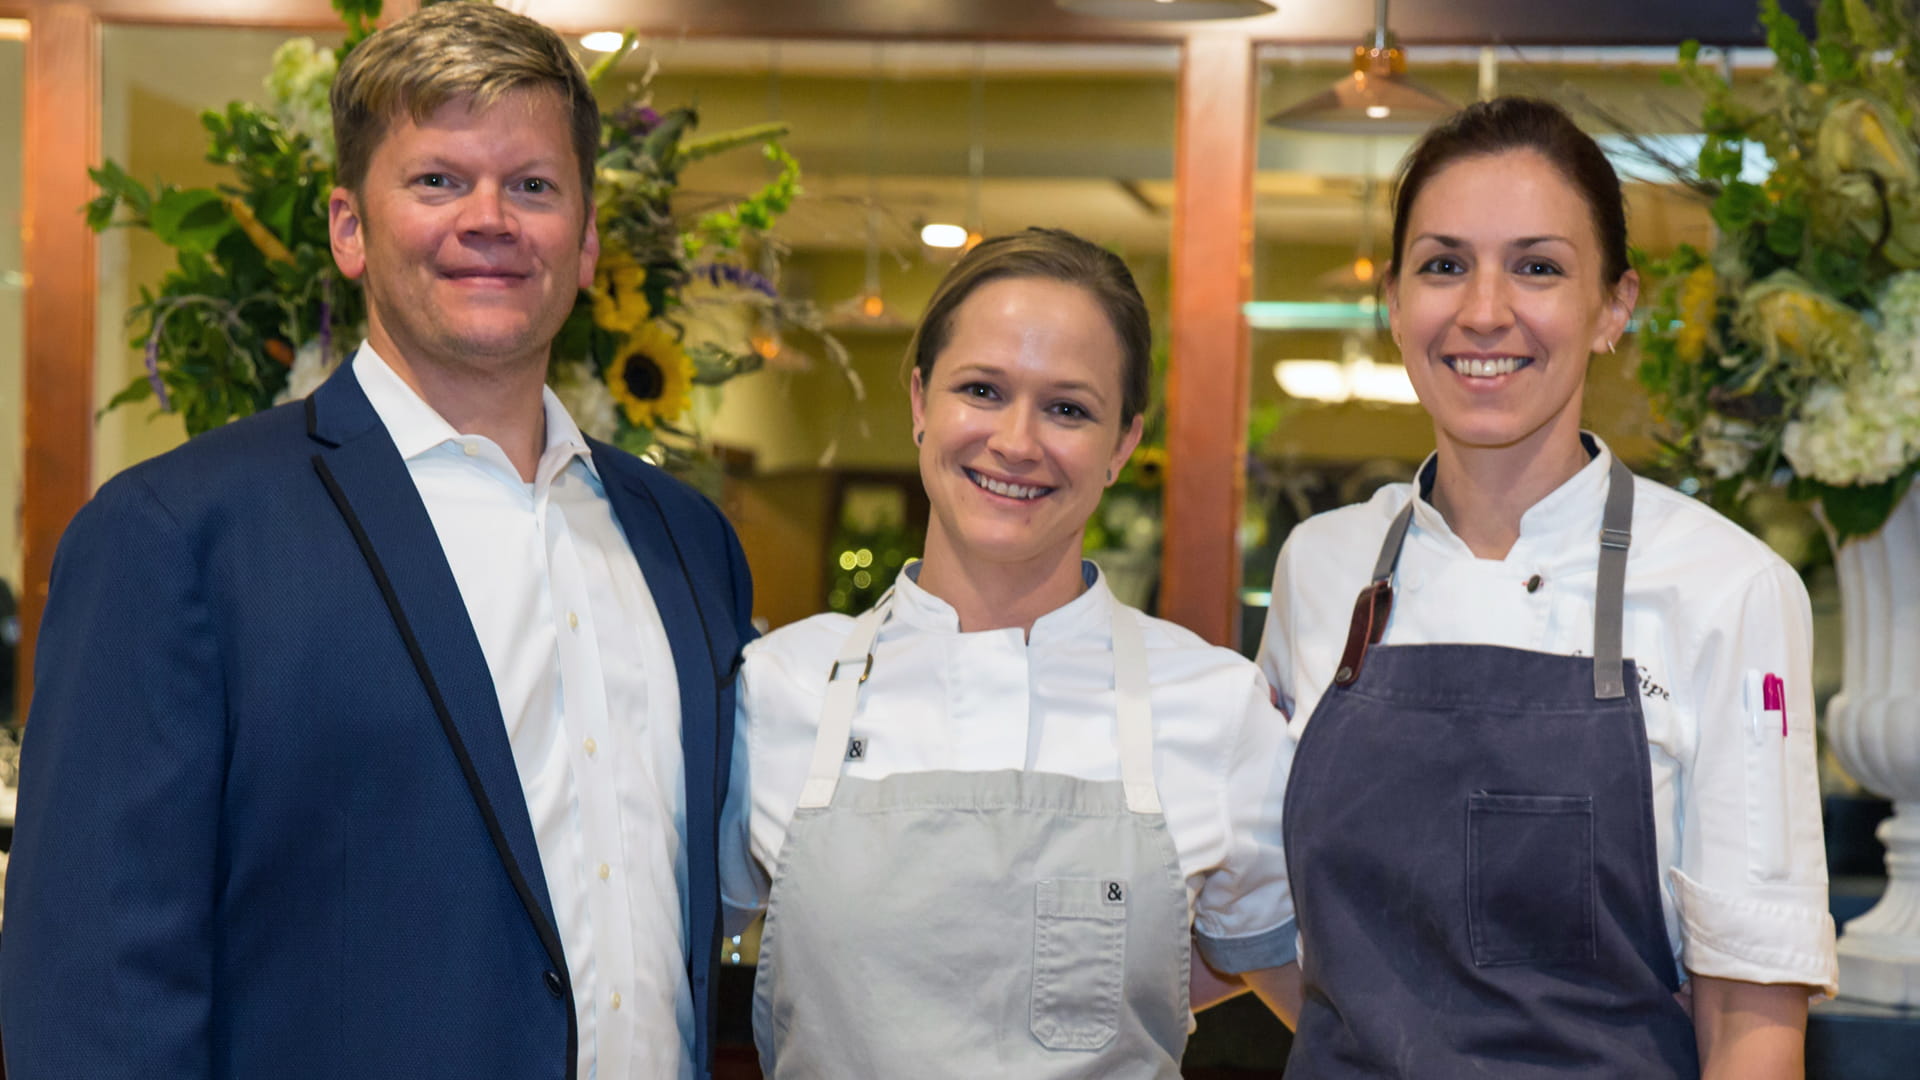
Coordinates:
(1873, 725)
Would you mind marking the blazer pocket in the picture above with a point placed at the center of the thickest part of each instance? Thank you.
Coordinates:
(1530, 878)
(1079, 961)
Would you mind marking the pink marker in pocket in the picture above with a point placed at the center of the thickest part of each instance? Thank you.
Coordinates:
(1773, 696)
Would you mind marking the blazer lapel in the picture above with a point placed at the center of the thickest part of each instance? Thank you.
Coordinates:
(369, 483)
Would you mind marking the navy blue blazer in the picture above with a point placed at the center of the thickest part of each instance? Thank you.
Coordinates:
(269, 821)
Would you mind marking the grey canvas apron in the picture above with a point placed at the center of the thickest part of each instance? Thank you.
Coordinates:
(974, 924)
(1469, 831)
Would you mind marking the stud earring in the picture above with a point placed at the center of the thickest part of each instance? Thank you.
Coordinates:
(1109, 476)
(919, 437)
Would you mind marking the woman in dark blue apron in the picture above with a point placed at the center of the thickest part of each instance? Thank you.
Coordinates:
(1555, 784)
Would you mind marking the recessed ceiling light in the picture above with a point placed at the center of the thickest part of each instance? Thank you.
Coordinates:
(602, 41)
(943, 236)
(1378, 112)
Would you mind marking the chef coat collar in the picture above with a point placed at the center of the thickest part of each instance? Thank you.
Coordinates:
(925, 611)
(1561, 517)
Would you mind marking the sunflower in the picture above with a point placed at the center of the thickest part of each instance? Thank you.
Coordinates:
(652, 378)
(1698, 292)
(619, 300)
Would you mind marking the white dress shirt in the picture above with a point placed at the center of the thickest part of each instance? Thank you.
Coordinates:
(1710, 612)
(585, 678)
(996, 699)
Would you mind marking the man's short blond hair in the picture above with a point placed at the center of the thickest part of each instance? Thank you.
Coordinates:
(461, 49)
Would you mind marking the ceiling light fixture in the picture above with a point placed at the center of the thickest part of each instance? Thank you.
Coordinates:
(602, 41)
(1376, 99)
(941, 235)
(1334, 381)
(1166, 10)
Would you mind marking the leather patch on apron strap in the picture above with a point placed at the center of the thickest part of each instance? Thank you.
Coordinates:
(1370, 613)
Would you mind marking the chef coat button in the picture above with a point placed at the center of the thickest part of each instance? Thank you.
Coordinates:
(554, 985)
(1533, 583)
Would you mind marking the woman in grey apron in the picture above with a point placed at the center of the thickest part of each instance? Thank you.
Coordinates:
(1507, 840)
(990, 819)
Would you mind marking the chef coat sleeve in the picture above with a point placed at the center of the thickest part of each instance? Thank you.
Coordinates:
(744, 885)
(1276, 655)
(1243, 916)
(1751, 884)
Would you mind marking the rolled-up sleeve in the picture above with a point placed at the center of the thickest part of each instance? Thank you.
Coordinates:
(1751, 885)
(1243, 919)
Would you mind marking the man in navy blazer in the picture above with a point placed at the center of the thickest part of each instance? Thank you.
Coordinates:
(280, 814)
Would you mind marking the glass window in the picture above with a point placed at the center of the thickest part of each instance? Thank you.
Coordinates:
(823, 485)
(1333, 414)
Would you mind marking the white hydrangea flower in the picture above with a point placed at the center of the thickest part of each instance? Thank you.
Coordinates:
(310, 368)
(301, 79)
(587, 399)
(1866, 429)
(1726, 446)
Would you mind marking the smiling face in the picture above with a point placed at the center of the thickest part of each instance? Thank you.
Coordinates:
(1021, 423)
(1498, 300)
(470, 235)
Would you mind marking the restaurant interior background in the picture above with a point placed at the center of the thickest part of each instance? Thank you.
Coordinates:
(992, 117)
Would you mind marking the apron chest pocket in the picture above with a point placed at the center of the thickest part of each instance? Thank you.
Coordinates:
(1079, 961)
(1530, 878)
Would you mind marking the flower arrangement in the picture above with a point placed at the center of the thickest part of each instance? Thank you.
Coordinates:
(255, 312)
(1790, 352)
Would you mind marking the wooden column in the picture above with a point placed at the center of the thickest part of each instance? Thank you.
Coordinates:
(1207, 371)
(62, 139)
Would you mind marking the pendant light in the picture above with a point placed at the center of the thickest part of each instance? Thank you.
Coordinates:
(868, 310)
(1377, 98)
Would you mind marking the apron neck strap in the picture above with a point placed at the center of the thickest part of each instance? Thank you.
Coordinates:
(854, 662)
(1375, 605)
(832, 743)
(1610, 590)
(1133, 709)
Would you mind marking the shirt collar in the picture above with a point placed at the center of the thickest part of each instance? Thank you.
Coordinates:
(925, 611)
(1572, 509)
(416, 427)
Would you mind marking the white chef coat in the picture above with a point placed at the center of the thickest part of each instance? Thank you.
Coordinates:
(587, 689)
(997, 699)
(1710, 612)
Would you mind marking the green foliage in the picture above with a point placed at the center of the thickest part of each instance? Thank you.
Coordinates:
(254, 289)
(1738, 342)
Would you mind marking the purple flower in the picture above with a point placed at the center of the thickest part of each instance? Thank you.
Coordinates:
(739, 277)
(636, 119)
(153, 370)
(326, 316)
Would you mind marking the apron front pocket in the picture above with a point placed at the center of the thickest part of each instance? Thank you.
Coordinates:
(1079, 961)
(1530, 887)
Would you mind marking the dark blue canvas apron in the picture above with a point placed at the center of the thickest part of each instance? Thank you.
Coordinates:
(1470, 837)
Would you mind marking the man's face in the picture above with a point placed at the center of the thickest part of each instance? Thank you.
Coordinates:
(468, 235)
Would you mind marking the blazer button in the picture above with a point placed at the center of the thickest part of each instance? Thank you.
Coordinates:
(554, 985)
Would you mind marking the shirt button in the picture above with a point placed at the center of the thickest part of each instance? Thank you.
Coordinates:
(605, 871)
(470, 448)
(616, 1001)
(573, 620)
(592, 747)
